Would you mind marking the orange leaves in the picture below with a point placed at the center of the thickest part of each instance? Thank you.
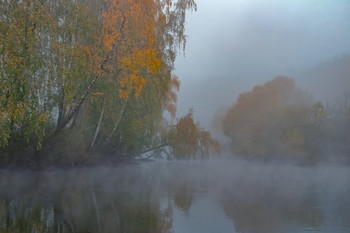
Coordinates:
(112, 18)
(129, 31)
(132, 82)
(146, 59)
(269, 118)
(171, 96)
(189, 140)
(149, 60)
(141, 59)
(138, 82)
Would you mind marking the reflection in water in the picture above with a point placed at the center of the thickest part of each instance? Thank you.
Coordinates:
(85, 200)
(143, 198)
(287, 199)
(257, 208)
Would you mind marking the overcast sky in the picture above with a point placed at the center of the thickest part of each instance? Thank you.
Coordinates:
(236, 44)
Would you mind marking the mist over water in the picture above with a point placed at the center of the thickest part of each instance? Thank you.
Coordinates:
(221, 195)
(293, 171)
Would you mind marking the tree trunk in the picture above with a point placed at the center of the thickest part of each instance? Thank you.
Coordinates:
(46, 91)
(61, 109)
(115, 126)
(47, 86)
(76, 118)
(87, 90)
(99, 123)
(71, 113)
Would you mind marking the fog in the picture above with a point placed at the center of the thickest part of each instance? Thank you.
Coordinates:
(232, 46)
(195, 196)
(235, 45)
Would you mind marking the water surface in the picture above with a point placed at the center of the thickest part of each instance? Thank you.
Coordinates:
(205, 196)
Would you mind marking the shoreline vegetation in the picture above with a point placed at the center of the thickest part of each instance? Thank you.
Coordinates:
(279, 121)
(84, 79)
(91, 82)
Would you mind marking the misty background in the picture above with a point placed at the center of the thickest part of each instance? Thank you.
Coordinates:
(298, 182)
(234, 45)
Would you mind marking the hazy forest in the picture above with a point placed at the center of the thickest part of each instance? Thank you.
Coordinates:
(174, 116)
(86, 81)
(277, 120)
(89, 81)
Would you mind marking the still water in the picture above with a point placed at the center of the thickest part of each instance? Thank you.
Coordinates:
(185, 197)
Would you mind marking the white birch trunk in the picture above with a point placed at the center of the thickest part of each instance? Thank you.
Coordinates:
(99, 123)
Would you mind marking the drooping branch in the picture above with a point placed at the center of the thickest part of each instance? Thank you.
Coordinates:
(151, 149)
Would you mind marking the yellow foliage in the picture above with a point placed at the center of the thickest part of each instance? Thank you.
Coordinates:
(129, 29)
(189, 140)
(269, 120)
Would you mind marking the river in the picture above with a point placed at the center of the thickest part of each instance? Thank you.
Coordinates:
(216, 196)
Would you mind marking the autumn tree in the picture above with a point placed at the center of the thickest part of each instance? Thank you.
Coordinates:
(134, 118)
(275, 119)
(21, 115)
(337, 129)
(82, 75)
(189, 140)
(142, 64)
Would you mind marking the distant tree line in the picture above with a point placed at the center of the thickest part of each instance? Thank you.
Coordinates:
(83, 76)
(279, 120)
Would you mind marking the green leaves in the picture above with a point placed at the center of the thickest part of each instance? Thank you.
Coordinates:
(59, 59)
